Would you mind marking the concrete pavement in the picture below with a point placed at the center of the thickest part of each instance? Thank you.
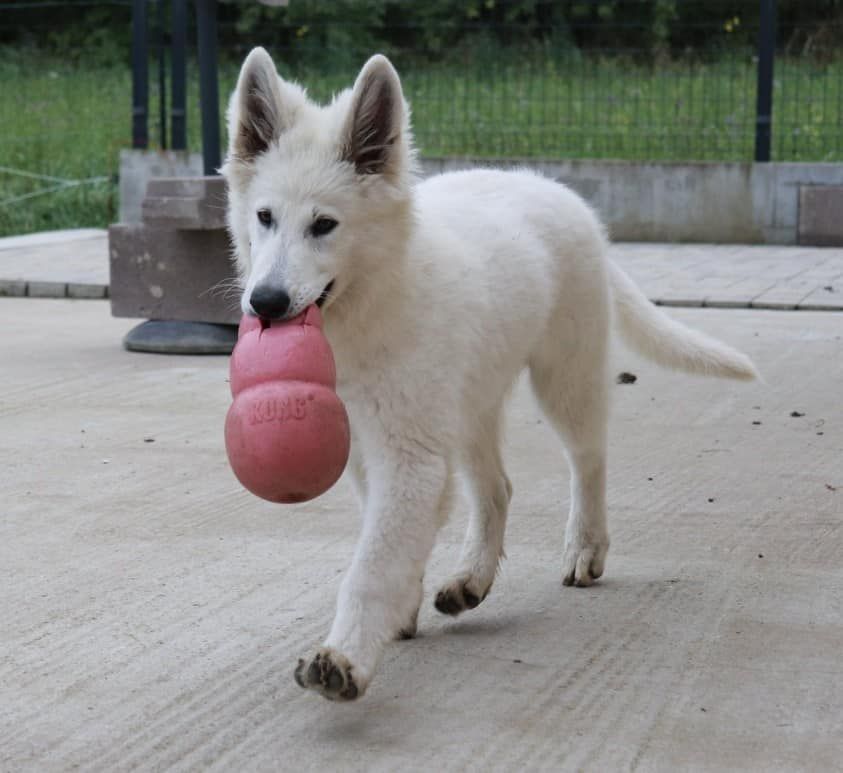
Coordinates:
(153, 610)
(75, 264)
(736, 275)
(55, 264)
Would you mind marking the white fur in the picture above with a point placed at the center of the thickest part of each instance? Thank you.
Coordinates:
(444, 291)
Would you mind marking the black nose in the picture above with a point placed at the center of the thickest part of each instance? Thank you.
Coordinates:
(269, 301)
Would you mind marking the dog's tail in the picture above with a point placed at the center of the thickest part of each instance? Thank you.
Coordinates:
(670, 343)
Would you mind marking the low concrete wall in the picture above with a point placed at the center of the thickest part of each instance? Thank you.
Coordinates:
(683, 202)
(138, 167)
(672, 202)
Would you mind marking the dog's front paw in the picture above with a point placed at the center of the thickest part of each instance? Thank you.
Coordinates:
(330, 674)
(583, 562)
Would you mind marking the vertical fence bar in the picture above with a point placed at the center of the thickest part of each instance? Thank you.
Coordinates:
(206, 22)
(178, 64)
(766, 56)
(140, 75)
(162, 72)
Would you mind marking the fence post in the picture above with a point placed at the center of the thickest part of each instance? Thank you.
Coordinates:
(178, 114)
(162, 73)
(140, 75)
(206, 23)
(764, 104)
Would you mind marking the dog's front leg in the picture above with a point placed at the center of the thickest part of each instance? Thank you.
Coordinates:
(379, 597)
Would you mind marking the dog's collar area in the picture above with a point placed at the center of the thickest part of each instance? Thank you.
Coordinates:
(325, 293)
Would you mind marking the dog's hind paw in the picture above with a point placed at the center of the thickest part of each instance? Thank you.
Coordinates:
(457, 596)
(330, 674)
(583, 563)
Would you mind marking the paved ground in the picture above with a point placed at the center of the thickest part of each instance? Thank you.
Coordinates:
(736, 276)
(55, 264)
(75, 264)
(153, 611)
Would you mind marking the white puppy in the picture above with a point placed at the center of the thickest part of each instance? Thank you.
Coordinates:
(436, 295)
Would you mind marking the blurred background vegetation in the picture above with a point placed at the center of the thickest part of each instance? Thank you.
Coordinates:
(625, 79)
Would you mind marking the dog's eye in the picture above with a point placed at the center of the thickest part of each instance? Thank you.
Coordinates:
(322, 226)
(264, 217)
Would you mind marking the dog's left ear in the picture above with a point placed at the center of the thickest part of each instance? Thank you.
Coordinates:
(376, 120)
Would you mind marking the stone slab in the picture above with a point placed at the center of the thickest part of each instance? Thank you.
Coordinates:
(12, 288)
(43, 289)
(171, 274)
(139, 167)
(87, 291)
(186, 203)
(821, 215)
(827, 297)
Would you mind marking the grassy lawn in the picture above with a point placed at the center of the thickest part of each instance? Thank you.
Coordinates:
(70, 123)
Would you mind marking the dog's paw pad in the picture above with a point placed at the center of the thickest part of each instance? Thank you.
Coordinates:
(456, 597)
(583, 564)
(330, 674)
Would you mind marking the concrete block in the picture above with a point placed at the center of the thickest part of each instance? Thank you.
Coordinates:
(786, 179)
(759, 303)
(86, 291)
(138, 167)
(786, 294)
(823, 299)
(12, 288)
(821, 215)
(171, 274)
(47, 289)
(197, 203)
(727, 304)
(682, 301)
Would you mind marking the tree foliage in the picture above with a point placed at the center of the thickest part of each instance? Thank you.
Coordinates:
(313, 32)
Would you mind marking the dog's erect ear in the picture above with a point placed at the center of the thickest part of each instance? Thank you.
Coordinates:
(256, 115)
(376, 119)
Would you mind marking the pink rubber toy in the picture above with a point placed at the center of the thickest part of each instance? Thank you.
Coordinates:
(286, 432)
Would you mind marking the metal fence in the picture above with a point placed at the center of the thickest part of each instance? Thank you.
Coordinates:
(626, 79)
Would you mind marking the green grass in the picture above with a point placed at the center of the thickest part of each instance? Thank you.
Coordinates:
(70, 122)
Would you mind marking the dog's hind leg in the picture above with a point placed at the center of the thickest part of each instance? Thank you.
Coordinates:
(482, 548)
(572, 388)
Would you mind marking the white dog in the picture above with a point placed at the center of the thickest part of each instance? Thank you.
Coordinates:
(436, 295)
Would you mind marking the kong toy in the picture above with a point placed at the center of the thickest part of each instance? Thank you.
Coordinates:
(286, 433)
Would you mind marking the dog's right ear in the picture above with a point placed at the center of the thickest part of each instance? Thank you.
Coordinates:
(256, 113)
